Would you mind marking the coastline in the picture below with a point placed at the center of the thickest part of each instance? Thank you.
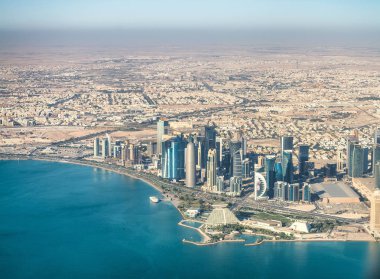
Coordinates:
(125, 172)
(89, 163)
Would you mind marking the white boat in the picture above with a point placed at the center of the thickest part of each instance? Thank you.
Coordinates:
(154, 199)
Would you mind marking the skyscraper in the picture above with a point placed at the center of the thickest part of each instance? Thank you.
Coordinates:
(303, 156)
(376, 174)
(178, 158)
(96, 147)
(375, 155)
(211, 169)
(306, 193)
(351, 141)
(220, 183)
(109, 145)
(377, 136)
(208, 139)
(270, 161)
(105, 147)
(236, 185)
(173, 158)
(357, 161)
(286, 143)
(237, 164)
(293, 192)
(375, 211)
(339, 160)
(200, 155)
(365, 159)
(287, 166)
(190, 164)
(162, 129)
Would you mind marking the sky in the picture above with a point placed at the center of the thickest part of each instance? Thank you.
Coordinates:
(190, 14)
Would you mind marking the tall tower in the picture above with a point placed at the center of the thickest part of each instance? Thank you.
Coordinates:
(211, 169)
(270, 161)
(357, 161)
(96, 147)
(286, 143)
(190, 164)
(109, 145)
(351, 142)
(287, 166)
(208, 139)
(375, 155)
(105, 147)
(376, 174)
(162, 129)
(340, 160)
(375, 211)
(377, 136)
(303, 156)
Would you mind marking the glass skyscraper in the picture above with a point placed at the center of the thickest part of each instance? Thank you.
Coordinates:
(270, 174)
(162, 129)
(287, 166)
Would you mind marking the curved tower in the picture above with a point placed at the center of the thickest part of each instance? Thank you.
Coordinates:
(190, 165)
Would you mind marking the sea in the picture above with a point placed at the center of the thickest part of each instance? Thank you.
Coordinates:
(60, 220)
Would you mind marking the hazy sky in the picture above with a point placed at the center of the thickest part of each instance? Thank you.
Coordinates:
(174, 14)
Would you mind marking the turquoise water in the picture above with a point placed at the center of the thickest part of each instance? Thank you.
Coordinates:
(67, 221)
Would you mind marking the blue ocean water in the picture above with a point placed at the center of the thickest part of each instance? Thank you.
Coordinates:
(68, 221)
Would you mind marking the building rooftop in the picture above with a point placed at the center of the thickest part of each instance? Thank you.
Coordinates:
(333, 190)
(221, 216)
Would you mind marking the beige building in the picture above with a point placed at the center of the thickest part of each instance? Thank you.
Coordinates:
(375, 211)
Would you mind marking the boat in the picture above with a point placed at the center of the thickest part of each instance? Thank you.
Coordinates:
(154, 199)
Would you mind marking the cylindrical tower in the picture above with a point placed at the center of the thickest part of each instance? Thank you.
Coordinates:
(190, 165)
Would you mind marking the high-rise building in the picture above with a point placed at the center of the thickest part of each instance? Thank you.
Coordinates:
(165, 157)
(287, 166)
(211, 169)
(96, 147)
(177, 167)
(365, 159)
(237, 165)
(200, 155)
(236, 185)
(105, 148)
(377, 136)
(331, 169)
(270, 161)
(351, 142)
(340, 160)
(303, 156)
(208, 139)
(190, 164)
(278, 170)
(281, 190)
(375, 154)
(293, 192)
(375, 211)
(306, 193)
(246, 168)
(220, 184)
(376, 174)
(260, 186)
(244, 146)
(219, 150)
(286, 143)
(162, 129)
(357, 161)
(260, 162)
(109, 145)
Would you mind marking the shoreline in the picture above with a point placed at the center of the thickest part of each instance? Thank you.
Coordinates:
(104, 166)
(94, 164)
